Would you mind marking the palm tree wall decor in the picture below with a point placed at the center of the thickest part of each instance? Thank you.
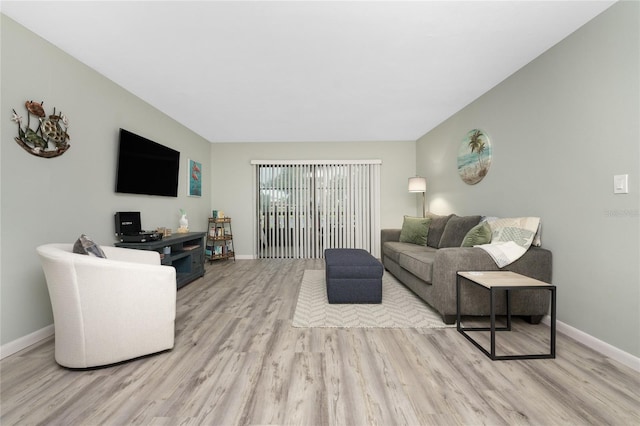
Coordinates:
(474, 156)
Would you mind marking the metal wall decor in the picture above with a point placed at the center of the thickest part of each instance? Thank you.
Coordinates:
(474, 156)
(49, 139)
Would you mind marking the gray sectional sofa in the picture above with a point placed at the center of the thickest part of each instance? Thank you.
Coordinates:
(430, 270)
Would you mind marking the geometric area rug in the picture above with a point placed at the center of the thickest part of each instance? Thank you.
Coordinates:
(400, 307)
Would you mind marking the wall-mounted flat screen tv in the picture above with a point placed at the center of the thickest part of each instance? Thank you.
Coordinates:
(146, 167)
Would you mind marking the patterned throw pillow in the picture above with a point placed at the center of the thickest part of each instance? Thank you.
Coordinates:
(85, 245)
(479, 234)
(415, 230)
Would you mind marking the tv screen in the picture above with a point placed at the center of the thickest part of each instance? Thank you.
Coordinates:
(146, 167)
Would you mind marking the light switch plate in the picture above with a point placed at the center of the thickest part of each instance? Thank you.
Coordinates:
(621, 184)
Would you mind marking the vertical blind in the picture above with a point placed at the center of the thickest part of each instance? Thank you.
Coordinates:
(304, 207)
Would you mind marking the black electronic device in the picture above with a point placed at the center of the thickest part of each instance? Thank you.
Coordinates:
(128, 223)
(129, 229)
(146, 167)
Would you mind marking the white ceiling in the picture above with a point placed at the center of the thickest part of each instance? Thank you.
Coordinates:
(236, 71)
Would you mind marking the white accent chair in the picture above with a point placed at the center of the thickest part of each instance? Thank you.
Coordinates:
(108, 310)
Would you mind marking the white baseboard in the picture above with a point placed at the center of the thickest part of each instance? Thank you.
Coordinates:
(25, 341)
(597, 345)
(245, 257)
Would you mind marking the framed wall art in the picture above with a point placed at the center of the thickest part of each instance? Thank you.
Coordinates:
(195, 179)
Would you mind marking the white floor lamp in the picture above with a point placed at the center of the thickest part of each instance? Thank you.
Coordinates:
(419, 184)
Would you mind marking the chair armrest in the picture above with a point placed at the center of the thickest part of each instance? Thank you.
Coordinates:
(446, 264)
(535, 263)
(388, 235)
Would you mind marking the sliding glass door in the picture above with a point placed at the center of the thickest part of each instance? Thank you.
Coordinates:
(304, 207)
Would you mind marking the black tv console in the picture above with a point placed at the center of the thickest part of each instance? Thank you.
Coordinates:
(186, 254)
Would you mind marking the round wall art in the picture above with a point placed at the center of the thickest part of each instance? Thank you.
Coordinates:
(474, 157)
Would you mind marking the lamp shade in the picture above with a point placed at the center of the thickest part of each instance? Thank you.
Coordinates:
(417, 184)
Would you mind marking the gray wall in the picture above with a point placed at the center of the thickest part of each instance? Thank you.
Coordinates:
(55, 200)
(561, 128)
(232, 183)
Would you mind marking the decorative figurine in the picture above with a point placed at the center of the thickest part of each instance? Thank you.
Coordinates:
(184, 223)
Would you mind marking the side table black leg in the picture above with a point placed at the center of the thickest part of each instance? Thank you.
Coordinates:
(458, 302)
(553, 322)
(493, 322)
(508, 297)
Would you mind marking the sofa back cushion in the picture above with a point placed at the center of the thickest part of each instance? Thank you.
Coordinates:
(436, 228)
(456, 229)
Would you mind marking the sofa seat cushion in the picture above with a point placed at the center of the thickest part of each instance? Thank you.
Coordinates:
(392, 249)
(419, 264)
(416, 259)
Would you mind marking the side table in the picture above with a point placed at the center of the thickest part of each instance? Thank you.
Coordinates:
(508, 281)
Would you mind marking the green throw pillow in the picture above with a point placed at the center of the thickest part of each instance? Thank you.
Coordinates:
(479, 234)
(415, 230)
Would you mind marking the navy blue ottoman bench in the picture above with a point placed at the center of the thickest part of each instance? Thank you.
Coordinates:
(353, 276)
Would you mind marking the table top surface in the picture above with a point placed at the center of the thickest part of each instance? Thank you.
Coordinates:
(491, 279)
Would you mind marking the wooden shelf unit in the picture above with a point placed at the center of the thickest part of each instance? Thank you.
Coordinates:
(186, 254)
(219, 239)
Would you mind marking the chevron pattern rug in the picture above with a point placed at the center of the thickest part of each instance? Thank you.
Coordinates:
(400, 307)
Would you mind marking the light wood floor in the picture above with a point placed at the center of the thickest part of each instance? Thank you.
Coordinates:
(237, 360)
